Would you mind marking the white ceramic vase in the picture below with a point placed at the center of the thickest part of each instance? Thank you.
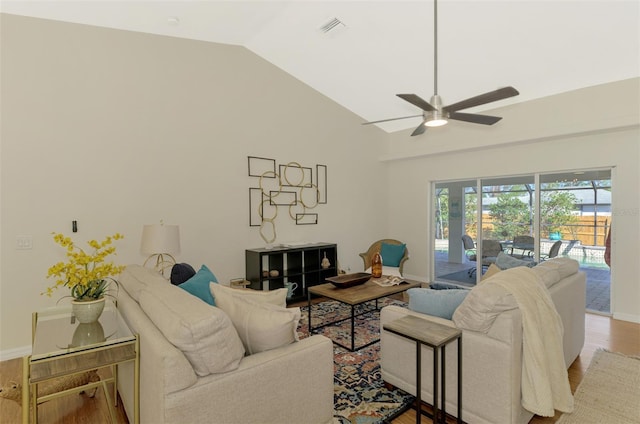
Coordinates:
(325, 262)
(87, 311)
(88, 334)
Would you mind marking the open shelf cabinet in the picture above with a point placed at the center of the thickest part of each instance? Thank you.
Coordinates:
(300, 264)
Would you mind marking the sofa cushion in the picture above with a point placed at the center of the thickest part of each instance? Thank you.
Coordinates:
(276, 297)
(198, 285)
(439, 303)
(392, 253)
(136, 278)
(261, 326)
(484, 303)
(491, 271)
(181, 273)
(504, 261)
(202, 332)
(553, 270)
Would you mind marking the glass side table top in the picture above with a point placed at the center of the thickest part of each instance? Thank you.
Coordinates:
(58, 333)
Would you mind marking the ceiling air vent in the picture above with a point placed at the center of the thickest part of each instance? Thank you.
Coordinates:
(332, 25)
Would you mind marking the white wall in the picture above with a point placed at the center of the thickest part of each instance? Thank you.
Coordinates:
(118, 129)
(531, 138)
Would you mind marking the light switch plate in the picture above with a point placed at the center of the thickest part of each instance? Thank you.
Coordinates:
(24, 242)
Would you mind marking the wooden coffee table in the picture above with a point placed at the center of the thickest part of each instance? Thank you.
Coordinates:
(354, 296)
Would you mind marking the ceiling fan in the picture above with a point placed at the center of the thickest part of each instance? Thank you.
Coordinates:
(434, 113)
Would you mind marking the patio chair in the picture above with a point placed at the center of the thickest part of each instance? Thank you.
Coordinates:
(553, 252)
(490, 250)
(524, 244)
(377, 247)
(470, 252)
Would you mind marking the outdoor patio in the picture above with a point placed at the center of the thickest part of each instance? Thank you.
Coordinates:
(598, 276)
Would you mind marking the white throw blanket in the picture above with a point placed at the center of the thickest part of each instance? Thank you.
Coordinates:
(545, 382)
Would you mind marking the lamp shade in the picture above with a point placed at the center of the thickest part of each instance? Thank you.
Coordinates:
(159, 238)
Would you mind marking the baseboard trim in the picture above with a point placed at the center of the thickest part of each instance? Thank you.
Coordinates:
(626, 317)
(416, 278)
(18, 352)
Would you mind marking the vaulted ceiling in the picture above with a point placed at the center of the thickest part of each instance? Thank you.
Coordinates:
(381, 48)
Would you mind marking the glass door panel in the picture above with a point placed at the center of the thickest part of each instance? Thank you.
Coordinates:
(508, 219)
(455, 213)
(575, 211)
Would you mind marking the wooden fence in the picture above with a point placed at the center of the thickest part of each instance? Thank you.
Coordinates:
(587, 231)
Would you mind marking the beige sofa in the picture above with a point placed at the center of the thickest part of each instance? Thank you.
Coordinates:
(491, 361)
(292, 383)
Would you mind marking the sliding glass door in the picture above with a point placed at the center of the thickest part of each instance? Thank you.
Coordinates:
(530, 217)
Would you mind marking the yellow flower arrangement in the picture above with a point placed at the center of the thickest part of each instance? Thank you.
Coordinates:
(87, 275)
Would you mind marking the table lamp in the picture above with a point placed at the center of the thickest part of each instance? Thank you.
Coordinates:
(162, 242)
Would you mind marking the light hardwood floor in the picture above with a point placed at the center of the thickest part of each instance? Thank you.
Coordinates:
(601, 332)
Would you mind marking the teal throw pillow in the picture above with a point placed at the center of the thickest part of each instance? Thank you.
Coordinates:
(504, 261)
(198, 285)
(438, 303)
(392, 254)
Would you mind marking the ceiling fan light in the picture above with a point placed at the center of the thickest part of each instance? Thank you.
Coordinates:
(436, 122)
(436, 118)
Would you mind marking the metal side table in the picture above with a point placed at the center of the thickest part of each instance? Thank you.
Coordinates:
(436, 336)
(63, 347)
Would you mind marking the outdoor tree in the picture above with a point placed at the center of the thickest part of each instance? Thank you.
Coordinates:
(442, 214)
(470, 214)
(510, 216)
(556, 210)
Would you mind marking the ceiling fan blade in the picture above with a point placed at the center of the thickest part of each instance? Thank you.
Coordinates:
(421, 128)
(475, 118)
(390, 119)
(417, 101)
(492, 96)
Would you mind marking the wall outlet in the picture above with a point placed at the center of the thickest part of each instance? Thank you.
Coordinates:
(24, 242)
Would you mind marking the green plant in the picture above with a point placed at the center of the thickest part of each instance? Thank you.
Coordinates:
(510, 216)
(86, 274)
(555, 210)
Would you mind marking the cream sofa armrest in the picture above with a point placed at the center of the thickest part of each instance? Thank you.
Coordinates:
(300, 373)
(162, 366)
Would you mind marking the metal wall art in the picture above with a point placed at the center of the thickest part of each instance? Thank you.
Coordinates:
(293, 186)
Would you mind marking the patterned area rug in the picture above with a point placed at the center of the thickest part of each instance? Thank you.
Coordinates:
(359, 396)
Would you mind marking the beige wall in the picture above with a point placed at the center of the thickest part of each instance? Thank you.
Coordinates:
(531, 139)
(118, 129)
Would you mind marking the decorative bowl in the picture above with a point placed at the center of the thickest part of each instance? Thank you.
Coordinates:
(349, 280)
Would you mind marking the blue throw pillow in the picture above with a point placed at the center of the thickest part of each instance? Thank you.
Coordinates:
(504, 261)
(392, 254)
(198, 285)
(439, 303)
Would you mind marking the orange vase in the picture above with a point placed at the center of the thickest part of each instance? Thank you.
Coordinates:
(376, 265)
